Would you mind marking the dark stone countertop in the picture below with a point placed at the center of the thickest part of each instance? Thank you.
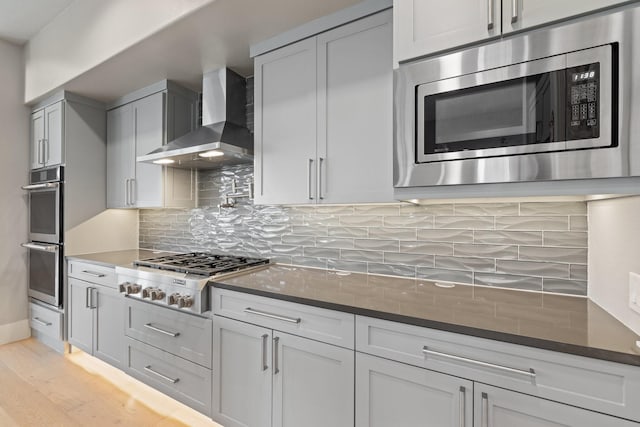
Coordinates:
(561, 323)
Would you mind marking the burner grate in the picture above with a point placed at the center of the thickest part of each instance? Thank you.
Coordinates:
(201, 263)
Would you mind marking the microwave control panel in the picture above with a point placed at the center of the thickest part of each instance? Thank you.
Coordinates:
(583, 99)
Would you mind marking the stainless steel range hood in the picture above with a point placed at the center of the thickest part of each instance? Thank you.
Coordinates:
(223, 139)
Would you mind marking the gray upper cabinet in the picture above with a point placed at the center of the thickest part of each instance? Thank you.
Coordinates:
(47, 140)
(324, 111)
(421, 29)
(141, 124)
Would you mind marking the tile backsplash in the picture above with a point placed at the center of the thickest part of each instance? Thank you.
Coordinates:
(538, 246)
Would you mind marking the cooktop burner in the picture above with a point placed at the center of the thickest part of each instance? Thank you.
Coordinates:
(201, 263)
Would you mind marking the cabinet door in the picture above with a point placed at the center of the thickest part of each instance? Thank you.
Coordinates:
(391, 393)
(149, 134)
(54, 136)
(313, 383)
(241, 374)
(37, 136)
(120, 156)
(497, 407)
(422, 27)
(355, 112)
(109, 342)
(521, 14)
(81, 314)
(285, 125)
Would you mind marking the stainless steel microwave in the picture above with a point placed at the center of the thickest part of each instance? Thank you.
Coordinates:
(550, 104)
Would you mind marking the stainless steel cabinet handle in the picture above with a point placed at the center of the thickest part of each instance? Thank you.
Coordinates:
(46, 145)
(94, 301)
(530, 373)
(162, 331)
(40, 247)
(39, 152)
(309, 180)
(158, 374)
(514, 11)
(132, 192)
(462, 407)
(126, 192)
(490, 14)
(320, 161)
(87, 303)
(264, 366)
(250, 310)
(485, 410)
(41, 186)
(42, 322)
(93, 273)
(276, 362)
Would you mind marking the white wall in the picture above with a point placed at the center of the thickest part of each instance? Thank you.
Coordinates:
(89, 32)
(14, 150)
(614, 251)
(111, 230)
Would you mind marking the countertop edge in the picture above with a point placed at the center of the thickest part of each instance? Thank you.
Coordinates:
(574, 349)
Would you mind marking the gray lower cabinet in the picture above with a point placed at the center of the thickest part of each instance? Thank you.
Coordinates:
(264, 377)
(390, 393)
(96, 320)
(496, 407)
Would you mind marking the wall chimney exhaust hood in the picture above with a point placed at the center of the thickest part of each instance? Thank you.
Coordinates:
(223, 139)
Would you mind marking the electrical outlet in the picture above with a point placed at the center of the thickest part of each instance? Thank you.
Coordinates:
(634, 292)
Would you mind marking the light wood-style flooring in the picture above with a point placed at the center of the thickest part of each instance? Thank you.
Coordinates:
(39, 387)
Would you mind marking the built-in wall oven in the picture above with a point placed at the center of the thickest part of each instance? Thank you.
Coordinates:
(45, 257)
(551, 104)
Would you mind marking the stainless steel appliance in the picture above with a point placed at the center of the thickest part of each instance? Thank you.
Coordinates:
(551, 104)
(179, 281)
(45, 234)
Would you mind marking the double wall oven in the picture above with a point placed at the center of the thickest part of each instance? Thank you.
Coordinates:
(45, 246)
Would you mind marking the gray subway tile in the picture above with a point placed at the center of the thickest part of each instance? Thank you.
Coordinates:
(569, 255)
(575, 287)
(508, 281)
(357, 255)
(299, 240)
(283, 259)
(578, 272)
(532, 223)
(565, 238)
(428, 209)
(307, 230)
(309, 262)
(376, 209)
(334, 242)
(533, 268)
(321, 220)
(553, 208)
(418, 221)
(431, 248)
(377, 244)
(466, 222)
(465, 263)
(392, 233)
(446, 235)
(441, 274)
(361, 221)
(337, 264)
(334, 210)
(409, 259)
(508, 237)
(485, 209)
(487, 251)
(348, 232)
(321, 252)
(578, 223)
(392, 269)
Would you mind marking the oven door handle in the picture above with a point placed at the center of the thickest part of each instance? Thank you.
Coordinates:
(41, 186)
(40, 247)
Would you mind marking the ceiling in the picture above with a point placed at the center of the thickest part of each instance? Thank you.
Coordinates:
(215, 36)
(22, 19)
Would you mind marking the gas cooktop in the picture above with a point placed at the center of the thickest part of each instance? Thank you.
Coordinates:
(201, 263)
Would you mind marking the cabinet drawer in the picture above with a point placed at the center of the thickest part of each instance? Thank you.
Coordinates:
(93, 273)
(320, 324)
(45, 320)
(588, 383)
(184, 381)
(182, 334)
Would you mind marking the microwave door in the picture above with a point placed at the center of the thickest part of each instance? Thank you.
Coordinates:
(44, 272)
(504, 111)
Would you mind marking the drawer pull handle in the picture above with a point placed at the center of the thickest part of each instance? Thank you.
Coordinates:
(93, 273)
(530, 373)
(162, 331)
(250, 310)
(158, 374)
(276, 358)
(463, 421)
(485, 410)
(42, 322)
(263, 364)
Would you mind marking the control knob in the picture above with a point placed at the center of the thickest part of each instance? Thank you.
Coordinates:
(173, 298)
(123, 287)
(156, 294)
(185, 301)
(146, 292)
(128, 288)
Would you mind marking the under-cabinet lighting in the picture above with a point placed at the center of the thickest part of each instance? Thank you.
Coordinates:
(212, 153)
(164, 161)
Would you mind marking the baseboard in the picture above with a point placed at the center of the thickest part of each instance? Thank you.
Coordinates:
(15, 331)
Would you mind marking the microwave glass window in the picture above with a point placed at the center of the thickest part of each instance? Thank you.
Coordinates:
(521, 111)
(43, 212)
(42, 272)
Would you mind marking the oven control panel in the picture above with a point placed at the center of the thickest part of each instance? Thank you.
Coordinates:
(165, 293)
(583, 96)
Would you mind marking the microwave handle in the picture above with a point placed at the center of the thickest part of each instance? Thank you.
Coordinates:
(41, 186)
(40, 247)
